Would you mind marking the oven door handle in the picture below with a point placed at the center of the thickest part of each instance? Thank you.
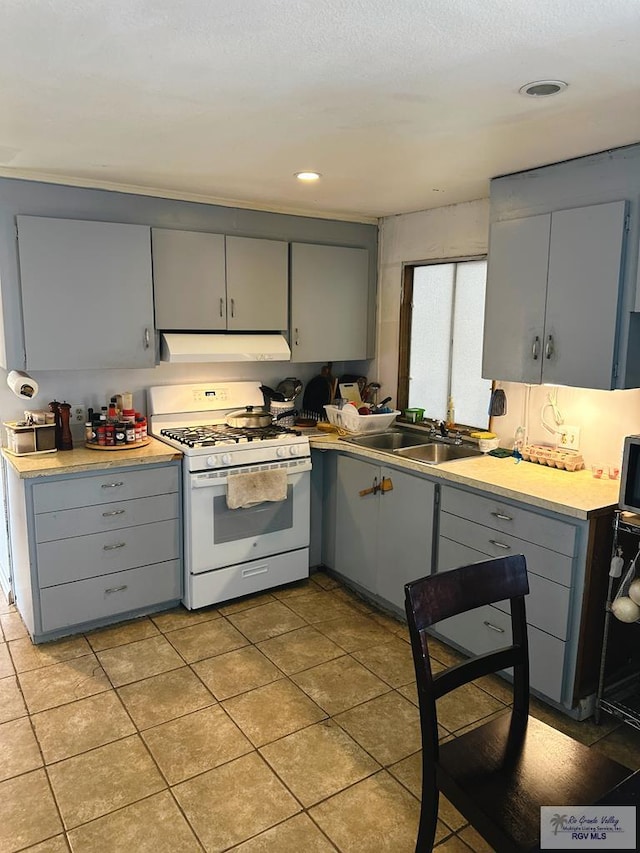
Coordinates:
(205, 480)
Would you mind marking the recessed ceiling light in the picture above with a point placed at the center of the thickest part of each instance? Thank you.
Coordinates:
(542, 88)
(308, 177)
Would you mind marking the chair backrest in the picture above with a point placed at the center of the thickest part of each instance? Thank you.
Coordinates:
(437, 597)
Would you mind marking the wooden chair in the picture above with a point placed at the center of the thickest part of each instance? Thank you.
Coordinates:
(500, 773)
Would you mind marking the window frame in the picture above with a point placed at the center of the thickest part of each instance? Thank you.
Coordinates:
(406, 319)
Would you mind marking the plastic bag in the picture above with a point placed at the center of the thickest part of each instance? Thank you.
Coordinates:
(626, 604)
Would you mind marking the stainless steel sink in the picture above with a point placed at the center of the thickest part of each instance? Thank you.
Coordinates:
(435, 453)
(411, 445)
(392, 440)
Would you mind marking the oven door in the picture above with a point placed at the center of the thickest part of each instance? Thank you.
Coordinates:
(216, 536)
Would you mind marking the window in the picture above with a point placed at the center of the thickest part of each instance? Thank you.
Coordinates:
(441, 326)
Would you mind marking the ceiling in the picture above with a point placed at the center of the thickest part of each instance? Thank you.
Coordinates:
(402, 105)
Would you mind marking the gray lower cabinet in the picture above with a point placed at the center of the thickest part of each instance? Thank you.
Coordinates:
(87, 294)
(209, 282)
(474, 527)
(383, 528)
(331, 304)
(97, 547)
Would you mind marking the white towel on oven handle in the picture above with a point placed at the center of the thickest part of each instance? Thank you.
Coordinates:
(255, 487)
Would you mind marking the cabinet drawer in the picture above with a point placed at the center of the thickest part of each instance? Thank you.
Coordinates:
(96, 598)
(499, 543)
(556, 535)
(487, 629)
(65, 560)
(113, 485)
(547, 603)
(67, 523)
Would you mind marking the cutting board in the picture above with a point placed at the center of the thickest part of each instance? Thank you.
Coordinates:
(350, 391)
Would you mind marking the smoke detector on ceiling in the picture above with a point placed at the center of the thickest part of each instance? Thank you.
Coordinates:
(543, 88)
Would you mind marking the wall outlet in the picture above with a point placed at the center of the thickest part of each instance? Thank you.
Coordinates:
(78, 413)
(569, 437)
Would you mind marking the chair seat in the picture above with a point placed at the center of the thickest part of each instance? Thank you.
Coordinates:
(503, 781)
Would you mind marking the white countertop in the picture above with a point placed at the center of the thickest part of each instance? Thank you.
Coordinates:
(575, 493)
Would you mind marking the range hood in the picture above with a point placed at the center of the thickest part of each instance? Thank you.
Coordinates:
(193, 347)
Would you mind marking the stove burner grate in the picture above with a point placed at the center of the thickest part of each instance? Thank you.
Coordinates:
(212, 434)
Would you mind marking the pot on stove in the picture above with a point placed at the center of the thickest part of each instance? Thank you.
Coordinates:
(252, 417)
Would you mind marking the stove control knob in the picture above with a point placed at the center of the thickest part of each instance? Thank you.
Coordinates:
(226, 459)
(294, 450)
(281, 451)
(212, 461)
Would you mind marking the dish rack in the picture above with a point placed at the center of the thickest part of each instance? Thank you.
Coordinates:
(349, 420)
(566, 460)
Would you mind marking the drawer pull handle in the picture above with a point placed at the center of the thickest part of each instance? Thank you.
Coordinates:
(116, 589)
(111, 485)
(256, 570)
(502, 516)
(113, 547)
(493, 627)
(502, 545)
(114, 512)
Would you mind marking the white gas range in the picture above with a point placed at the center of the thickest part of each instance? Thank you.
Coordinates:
(233, 552)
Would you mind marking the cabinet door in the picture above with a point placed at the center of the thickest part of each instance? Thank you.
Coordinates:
(405, 534)
(257, 285)
(189, 280)
(329, 302)
(357, 522)
(585, 268)
(87, 296)
(515, 299)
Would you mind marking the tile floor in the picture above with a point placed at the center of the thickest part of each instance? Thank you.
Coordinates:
(282, 723)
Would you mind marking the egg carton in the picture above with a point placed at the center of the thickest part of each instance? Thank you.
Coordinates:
(563, 459)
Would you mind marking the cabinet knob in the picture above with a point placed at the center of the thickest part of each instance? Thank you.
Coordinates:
(111, 485)
(233, 307)
(114, 547)
(502, 545)
(147, 338)
(296, 338)
(493, 627)
(114, 512)
(221, 307)
(112, 589)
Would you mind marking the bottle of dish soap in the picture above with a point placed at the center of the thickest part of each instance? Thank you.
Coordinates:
(451, 414)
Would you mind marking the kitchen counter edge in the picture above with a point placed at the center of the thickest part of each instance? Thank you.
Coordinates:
(85, 459)
(575, 494)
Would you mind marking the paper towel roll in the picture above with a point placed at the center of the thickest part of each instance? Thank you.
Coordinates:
(22, 385)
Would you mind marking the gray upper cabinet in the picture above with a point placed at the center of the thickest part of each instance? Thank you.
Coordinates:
(553, 292)
(87, 295)
(189, 280)
(257, 284)
(209, 282)
(329, 303)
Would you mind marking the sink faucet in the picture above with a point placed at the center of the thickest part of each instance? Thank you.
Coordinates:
(440, 432)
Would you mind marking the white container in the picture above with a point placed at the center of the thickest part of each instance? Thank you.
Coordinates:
(24, 438)
(487, 444)
(349, 420)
